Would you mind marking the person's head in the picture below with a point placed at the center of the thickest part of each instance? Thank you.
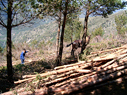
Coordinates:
(24, 50)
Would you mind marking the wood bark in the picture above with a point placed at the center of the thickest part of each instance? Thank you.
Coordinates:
(85, 31)
(9, 53)
(48, 73)
(110, 50)
(72, 88)
(59, 57)
(70, 78)
(70, 65)
(69, 88)
(58, 33)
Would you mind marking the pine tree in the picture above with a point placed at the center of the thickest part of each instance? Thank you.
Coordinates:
(12, 14)
(98, 7)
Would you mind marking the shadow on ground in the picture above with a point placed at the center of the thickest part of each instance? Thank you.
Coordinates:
(41, 67)
(106, 88)
(35, 67)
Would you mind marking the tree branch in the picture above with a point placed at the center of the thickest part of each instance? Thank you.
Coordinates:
(3, 11)
(17, 5)
(2, 23)
(22, 22)
(3, 4)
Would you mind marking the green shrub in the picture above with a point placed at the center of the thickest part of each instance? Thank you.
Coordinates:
(86, 52)
(1, 49)
(34, 43)
(41, 52)
(41, 44)
(98, 31)
(123, 31)
(121, 21)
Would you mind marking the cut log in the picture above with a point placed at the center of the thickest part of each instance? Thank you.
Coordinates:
(105, 57)
(83, 71)
(73, 88)
(60, 79)
(97, 63)
(60, 75)
(114, 65)
(108, 57)
(69, 78)
(59, 67)
(95, 74)
(70, 65)
(48, 73)
(107, 64)
(123, 60)
(110, 50)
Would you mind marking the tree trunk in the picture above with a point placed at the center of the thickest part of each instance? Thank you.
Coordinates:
(9, 53)
(58, 33)
(72, 51)
(59, 57)
(72, 32)
(85, 31)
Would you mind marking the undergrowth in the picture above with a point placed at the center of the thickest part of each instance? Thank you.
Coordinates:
(19, 70)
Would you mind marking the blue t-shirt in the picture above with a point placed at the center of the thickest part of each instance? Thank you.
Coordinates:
(22, 55)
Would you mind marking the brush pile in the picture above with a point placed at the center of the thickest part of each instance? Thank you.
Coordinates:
(101, 67)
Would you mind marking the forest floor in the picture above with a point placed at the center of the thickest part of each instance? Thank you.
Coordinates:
(38, 65)
(112, 88)
(35, 63)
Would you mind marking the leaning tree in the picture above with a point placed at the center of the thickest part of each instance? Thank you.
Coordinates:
(98, 7)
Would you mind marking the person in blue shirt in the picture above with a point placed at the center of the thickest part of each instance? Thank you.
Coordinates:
(22, 56)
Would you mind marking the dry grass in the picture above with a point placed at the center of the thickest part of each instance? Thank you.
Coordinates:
(42, 60)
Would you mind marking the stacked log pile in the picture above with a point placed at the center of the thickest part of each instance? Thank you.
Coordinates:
(108, 65)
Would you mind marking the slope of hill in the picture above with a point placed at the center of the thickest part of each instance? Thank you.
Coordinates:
(108, 24)
(39, 30)
(47, 30)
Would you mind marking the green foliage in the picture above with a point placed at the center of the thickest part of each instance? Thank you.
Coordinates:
(5, 49)
(123, 31)
(14, 13)
(98, 31)
(86, 52)
(34, 43)
(38, 77)
(41, 44)
(121, 21)
(41, 52)
(49, 42)
(101, 46)
(1, 49)
(102, 7)
(73, 30)
(3, 69)
(12, 45)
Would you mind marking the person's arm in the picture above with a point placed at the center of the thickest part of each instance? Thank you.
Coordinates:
(27, 51)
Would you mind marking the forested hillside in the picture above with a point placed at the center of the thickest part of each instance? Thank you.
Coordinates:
(39, 30)
(42, 38)
(47, 29)
(108, 24)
